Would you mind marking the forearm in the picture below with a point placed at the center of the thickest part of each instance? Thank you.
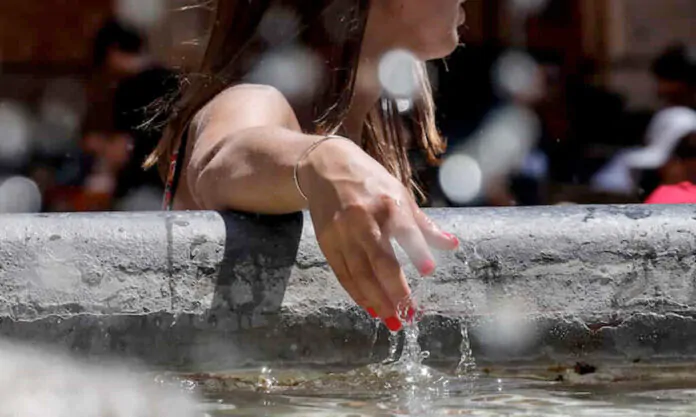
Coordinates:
(251, 170)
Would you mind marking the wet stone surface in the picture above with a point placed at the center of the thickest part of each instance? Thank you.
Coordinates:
(531, 283)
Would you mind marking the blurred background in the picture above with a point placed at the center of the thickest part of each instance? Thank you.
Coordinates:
(546, 101)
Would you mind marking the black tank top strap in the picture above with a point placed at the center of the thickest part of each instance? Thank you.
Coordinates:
(176, 166)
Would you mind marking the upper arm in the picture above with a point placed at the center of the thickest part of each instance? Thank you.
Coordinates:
(237, 109)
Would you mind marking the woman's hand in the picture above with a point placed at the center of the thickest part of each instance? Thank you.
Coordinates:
(356, 208)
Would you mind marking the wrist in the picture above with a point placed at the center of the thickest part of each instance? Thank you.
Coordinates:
(313, 166)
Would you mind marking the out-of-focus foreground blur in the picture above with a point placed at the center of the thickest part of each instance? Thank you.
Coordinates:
(545, 102)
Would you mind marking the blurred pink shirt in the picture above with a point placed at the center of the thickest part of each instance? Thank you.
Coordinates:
(683, 193)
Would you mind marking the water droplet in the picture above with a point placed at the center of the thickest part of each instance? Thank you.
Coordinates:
(461, 178)
(266, 382)
(19, 195)
(278, 25)
(294, 71)
(518, 75)
(467, 363)
(404, 105)
(393, 347)
(527, 7)
(141, 12)
(398, 71)
(15, 134)
(187, 385)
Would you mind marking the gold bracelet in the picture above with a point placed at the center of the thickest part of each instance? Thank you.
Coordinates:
(306, 153)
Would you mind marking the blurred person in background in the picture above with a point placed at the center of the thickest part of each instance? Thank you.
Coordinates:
(552, 156)
(675, 77)
(270, 147)
(136, 84)
(633, 171)
(531, 87)
(491, 112)
(87, 181)
(120, 50)
(678, 174)
(462, 109)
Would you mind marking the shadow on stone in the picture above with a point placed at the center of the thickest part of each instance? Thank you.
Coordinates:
(259, 254)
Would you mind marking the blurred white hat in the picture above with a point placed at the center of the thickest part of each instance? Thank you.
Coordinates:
(667, 128)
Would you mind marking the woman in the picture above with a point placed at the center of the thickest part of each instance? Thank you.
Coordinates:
(236, 145)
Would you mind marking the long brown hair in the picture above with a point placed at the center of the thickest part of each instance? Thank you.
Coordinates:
(332, 29)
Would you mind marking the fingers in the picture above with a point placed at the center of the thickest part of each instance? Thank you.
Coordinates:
(388, 270)
(345, 251)
(389, 279)
(435, 237)
(340, 268)
(363, 277)
(401, 225)
(358, 248)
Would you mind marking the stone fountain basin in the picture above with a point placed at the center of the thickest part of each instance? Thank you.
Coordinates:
(201, 290)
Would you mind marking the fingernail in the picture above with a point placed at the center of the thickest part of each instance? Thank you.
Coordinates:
(393, 324)
(452, 237)
(410, 314)
(427, 267)
(371, 311)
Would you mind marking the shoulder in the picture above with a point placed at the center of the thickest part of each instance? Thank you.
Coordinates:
(261, 103)
(684, 193)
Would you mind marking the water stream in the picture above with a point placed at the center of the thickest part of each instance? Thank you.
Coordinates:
(405, 384)
(466, 368)
(385, 391)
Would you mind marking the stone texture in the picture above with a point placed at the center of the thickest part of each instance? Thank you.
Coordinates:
(204, 290)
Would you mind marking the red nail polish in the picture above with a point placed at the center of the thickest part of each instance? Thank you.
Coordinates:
(452, 237)
(410, 314)
(371, 311)
(393, 324)
(427, 268)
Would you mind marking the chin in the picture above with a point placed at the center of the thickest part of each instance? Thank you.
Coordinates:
(441, 49)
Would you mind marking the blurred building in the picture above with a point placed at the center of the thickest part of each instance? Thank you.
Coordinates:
(594, 57)
(593, 60)
(56, 105)
(619, 37)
